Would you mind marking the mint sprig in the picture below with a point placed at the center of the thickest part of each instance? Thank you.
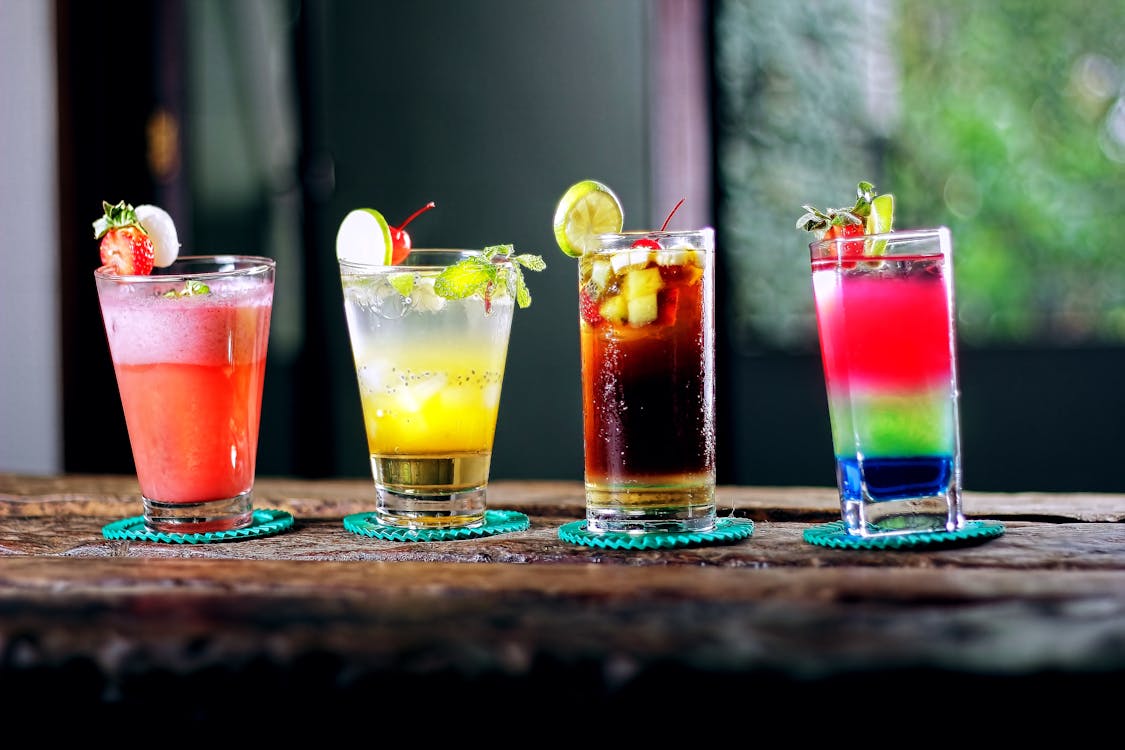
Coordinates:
(479, 274)
(816, 221)
(191, 288)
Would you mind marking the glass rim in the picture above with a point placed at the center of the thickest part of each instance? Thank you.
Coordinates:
(455, 254)
(654, 233)
(247, 265)
(895, 235)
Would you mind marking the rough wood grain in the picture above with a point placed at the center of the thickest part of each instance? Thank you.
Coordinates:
(332, 622)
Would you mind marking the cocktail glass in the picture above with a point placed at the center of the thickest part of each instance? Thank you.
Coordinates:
(647, 330)
(430, 371)
(188, 344)
(884, 310)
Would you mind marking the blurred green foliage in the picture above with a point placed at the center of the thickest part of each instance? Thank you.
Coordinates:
(1003, 120)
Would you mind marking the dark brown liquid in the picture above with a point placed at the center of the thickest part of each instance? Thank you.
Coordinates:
(648, 391)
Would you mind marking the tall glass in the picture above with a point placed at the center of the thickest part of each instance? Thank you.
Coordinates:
(884, 310)
(188, 344)
(430, 371)
(647, 330)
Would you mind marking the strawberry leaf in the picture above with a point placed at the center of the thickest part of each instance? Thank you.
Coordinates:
(120, 215)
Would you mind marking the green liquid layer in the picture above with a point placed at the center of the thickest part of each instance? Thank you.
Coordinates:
(916, 424)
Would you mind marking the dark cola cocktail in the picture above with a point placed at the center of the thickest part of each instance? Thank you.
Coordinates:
(646, 304)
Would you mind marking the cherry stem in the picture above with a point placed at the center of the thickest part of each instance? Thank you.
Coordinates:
(414, 215)
(674, 208)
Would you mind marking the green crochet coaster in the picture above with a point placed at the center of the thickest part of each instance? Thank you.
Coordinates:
(726, 530)
(265, 523)
(495, 522)
(834, 535)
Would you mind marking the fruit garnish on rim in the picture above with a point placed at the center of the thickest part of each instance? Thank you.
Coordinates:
(631, 285)
(587, 209)
(365, 237)
(651, 243)
(872, 214)
(131, 241)
(400, 239)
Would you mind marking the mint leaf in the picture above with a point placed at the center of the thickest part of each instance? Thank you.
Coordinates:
(466, 278)
(191, 289)
(530, 262)
(480, 274)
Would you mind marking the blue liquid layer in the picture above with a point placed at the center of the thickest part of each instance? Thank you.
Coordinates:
(894, 478)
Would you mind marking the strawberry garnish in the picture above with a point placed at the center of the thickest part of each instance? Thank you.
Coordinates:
(588, 308)
(125, 246)
(835, 223)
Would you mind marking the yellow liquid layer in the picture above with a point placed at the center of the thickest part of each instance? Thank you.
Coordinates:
(425, 476)
(431, 403)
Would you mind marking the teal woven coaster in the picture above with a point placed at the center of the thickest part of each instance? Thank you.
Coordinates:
(495, 522)
(265, 523)
(726, 530)
(834, 535)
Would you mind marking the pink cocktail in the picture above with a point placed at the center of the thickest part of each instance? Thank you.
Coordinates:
(189, 350)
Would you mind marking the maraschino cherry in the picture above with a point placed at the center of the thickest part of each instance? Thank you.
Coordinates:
(651, 243)
(400, 239)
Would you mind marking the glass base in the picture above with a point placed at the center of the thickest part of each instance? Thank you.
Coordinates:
(645, 510)
(200, 518)
(911, 515)
(413, 510)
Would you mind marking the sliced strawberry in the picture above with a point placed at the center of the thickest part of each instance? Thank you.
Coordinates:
(588, 308)
(848, 222)
(127, 251)
(125, 246)
(852, 249)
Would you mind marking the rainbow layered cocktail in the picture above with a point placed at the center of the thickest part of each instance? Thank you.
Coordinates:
(884, 308)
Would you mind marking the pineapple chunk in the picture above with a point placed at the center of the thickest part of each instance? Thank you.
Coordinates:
(641, 282)
(627, 258)
(614, 309)
(599, 273)
(642, 310)
(676, 257)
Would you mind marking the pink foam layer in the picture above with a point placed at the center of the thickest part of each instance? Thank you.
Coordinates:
(228, 325)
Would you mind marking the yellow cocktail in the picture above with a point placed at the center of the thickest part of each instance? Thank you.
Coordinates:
(430, 370)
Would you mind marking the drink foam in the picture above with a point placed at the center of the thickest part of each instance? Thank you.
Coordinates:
(229, 325)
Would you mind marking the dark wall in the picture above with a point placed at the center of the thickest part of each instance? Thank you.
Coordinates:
(491, 109)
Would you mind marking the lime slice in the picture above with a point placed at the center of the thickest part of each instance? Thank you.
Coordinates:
(880, 220)
(364, 237)
(587, 209)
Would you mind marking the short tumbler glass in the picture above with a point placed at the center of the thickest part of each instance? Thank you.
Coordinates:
(188, 345)
(647, 334)
(885, 317)
(430, 371)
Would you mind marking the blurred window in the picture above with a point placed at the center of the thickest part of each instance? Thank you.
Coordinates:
(1003, 120)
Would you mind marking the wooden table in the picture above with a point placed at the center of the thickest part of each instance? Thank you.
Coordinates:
(318, 621)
